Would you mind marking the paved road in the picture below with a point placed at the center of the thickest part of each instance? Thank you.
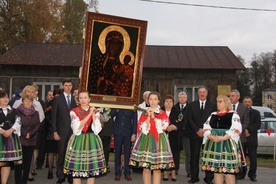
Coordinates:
(265, 176)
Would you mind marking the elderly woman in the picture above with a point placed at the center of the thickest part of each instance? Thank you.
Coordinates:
(30, 124)
(222, 151)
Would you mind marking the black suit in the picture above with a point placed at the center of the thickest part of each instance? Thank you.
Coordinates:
(243, 112)
(185, 135)
(250, 146)
(124, 126)
(61, 123)
(196, 119)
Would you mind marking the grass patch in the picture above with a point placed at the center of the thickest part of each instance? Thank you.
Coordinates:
(265, 161)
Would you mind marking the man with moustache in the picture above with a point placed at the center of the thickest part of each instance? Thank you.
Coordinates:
(198, 112)
(251, 133)
(182, 107)
(243, 112)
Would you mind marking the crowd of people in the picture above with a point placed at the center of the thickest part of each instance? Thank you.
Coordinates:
(149, 139)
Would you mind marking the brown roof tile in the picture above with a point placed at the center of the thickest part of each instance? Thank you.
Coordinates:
(188, 57)
(43, 54)
(191, 57)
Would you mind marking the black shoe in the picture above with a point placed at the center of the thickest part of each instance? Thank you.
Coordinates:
(60, 181)
(31, 179)
(165, 179)
(193, 180)
(50, 175)
(174, 179)
(188, 175)
(253, 178)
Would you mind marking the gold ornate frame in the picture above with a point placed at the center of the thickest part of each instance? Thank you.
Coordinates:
(96, 54)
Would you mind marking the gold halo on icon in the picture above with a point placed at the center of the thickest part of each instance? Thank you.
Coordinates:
(125, 51)
(125, 54)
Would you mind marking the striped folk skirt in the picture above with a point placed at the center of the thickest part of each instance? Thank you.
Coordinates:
(10, 150)
(84, 156)
(222, 157)
(151, 154)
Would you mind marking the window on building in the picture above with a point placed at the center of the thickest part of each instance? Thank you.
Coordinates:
(44, 87)
(269, 106)
(269, 97)
(190, 90)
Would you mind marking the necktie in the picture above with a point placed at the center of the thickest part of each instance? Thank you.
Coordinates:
(68, 101)
(182, 107)
(234, 109)
(202, 106)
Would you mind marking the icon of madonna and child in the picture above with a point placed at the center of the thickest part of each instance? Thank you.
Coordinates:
(112, 71)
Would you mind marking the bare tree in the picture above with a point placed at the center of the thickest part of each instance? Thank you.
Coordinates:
(243, 80)
(262, 74)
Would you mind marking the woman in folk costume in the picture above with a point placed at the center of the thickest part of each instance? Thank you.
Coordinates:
(84, 155)
(152, 150)
(10, 146)
(222, 151)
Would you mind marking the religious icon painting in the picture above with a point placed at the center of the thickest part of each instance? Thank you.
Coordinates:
(112, 61)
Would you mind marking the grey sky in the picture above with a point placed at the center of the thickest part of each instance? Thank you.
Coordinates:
(244, 32)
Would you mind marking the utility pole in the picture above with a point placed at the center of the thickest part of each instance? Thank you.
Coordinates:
(93, 6)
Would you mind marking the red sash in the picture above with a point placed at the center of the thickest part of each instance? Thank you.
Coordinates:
(153, 131)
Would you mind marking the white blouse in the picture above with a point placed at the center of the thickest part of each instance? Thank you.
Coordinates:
(234, 131)
(75, 123)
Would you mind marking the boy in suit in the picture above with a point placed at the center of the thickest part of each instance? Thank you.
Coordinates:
(124, 131)
(61, 124)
